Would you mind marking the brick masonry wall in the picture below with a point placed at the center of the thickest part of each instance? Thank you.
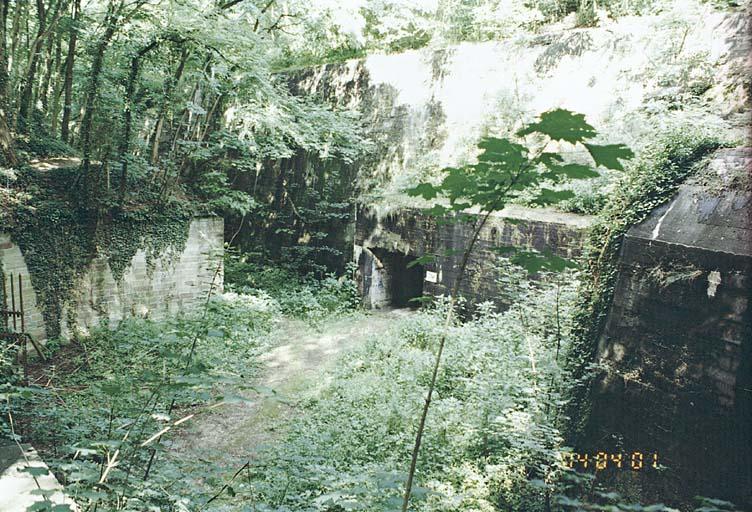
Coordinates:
(414, 234)
(175, 283)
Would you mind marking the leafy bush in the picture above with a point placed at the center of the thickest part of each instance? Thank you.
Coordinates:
(108, 394)
(298, 296)
(348, 446)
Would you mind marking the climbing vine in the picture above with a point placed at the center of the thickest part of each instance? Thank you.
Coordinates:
(59, 239)
(158, 231)
(650, 182)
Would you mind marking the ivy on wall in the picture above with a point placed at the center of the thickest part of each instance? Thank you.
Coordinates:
(59, 239)
(158, 232)
(652, 181)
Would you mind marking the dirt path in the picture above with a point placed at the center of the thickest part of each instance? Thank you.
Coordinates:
(295, 365)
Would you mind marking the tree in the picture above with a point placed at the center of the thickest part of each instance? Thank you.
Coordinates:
(45, 23)
(68, 75)
(6, 141)
(506, 169)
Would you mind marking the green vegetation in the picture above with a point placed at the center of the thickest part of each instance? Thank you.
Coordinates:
(491, 421)
(105, 395)
(304, 297)
(170, 109)
(649, 182)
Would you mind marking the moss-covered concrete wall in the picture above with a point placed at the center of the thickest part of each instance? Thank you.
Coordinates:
(677, 346)
(385, 243)
(153, 288)
(426, 109)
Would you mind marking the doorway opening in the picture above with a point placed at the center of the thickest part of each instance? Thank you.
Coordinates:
(402, 282)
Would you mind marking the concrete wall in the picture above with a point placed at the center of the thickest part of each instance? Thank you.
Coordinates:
(677, 346)
(426, 109)
(174, 283)
(413, 234)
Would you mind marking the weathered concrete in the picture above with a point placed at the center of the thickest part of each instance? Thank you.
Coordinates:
(426, 109)
(19, 489)
(172, 283)
(678, 341)
(384, 244)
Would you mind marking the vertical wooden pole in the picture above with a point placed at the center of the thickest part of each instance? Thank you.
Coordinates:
(20, 298)
(5, 306)
(13, 301)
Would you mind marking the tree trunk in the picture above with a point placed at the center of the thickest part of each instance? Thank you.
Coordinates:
(44, 88)
(68, 80)
(5, 7)
(111, 19)
(128, 116)
(46, 23)
(16, 31)
(6, 139)
(170, 86)
(57, 87)
(25, 105)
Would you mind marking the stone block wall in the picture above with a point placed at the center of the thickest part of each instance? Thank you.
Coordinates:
(410, 234)
(158, 289)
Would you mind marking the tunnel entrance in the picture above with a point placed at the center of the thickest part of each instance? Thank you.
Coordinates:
(391, 281)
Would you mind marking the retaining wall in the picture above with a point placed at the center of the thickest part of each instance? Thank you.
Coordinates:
(155, 289)
(383, 242)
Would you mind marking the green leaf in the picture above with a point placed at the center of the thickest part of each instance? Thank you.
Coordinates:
(437, 210)
(571, 171)
(457, 183)
(548, 196)
(424, 190)
(43, 492)
(111, 388)
(422, 260)
(502, 152)
(609, 155)
(547, 158)
(34, 470)
(533, 261)
(561, 124)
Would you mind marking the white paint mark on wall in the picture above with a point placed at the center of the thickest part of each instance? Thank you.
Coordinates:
(714, 279)
(657, 228)
(432, 277)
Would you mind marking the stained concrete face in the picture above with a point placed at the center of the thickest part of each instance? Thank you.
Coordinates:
(175, 282)
(426, 109)
(19, 490)
(384, 244)
(677, 344)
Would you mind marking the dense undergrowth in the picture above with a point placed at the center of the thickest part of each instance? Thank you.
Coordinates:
(490, 428)
(305, 297)
(104, 395)
(95, 411)
(493, 441)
